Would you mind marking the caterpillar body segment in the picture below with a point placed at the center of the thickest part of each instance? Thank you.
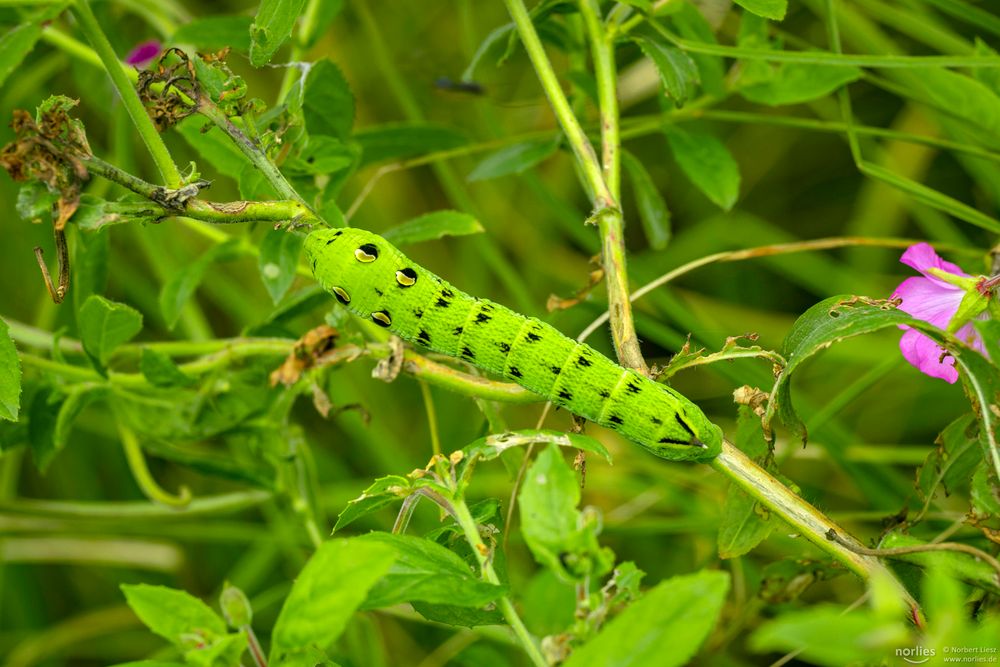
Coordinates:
(375, 280)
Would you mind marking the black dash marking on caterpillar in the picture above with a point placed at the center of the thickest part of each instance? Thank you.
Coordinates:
(341, 294)
(379, 292)
(482, 318)
(514, 372)
(467, 353)
(442, 303)
(406, 277)
(656, 420)
(671, 441)
(366, 253)
(565, 395)
(381, 318)
(424, 337)
(584, 361)
(418, 313)
(504, 347)
(683, 425)
(634, 388)
(604, 393)
(556, 370)
(533, 337)
(314, 264)
(615, 419)
(458, 330)
(447, 293)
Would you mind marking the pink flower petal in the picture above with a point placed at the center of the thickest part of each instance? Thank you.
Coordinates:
(921, 256)
(930, 300)
(926, 356)
(143, 53)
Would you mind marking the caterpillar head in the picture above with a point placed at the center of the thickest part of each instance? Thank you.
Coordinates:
(690, 436)
(361, 269)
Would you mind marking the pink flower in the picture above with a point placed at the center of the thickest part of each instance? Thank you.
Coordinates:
(933, 300)
(143, 53)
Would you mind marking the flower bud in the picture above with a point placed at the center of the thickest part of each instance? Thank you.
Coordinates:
(235, 606)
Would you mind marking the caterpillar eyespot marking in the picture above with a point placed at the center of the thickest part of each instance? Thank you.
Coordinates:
(341, 294)
(432, 313)
(406, 277)
(366, 253)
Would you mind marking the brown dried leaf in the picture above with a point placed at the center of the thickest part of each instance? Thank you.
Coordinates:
(304, 355)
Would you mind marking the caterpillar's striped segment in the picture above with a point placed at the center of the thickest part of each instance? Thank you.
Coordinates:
(375, 280)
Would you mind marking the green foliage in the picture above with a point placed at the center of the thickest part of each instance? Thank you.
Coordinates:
(10, 376)
(104, 325)
(706, 161)
(513, 159)
(329, 588)
(271, 27)
(432, 226)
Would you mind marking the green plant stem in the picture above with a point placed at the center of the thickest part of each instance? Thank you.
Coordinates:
(432, 422)
(251, 150)
(577, 138)
(483, 556)
(104, 511)
(603, 50)
(796, 512)
(143, 477)
(143, 125)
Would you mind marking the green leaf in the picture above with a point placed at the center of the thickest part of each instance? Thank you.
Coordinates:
(213, 146)
(395, 141)
(464, 617)
(424, 570)
(514, 159)
(322, 155)
(432, 226)
(271, 27)
(769, 9)
(745, 523)
(161, 371)
(278, 260)
(15, 45)
(492, 446)
(384, 491)
(956, 564)
(104, 325)
(43, 412)
(678, 71)
(844, 316)
(77, 399)
(553, 528)
(213, 33)
(692, 25)
(707, 162)
(173, 614)
(950, 465)
(663, 628)
(829, 635)
(325, 595)
(10, 375)
(794, 83)
(985, 494)
(328, 105)
(653, 212)
(178, 290)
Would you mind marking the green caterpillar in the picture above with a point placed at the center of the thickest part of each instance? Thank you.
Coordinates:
(375, 280)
